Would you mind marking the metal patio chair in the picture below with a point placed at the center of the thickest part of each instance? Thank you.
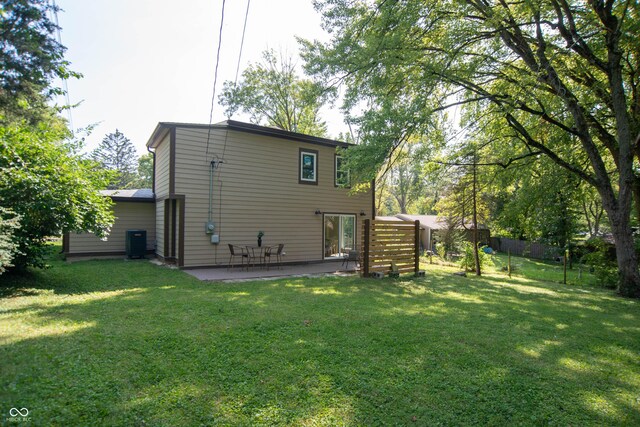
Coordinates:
(235, 252)
(352, 256)
(278, 254)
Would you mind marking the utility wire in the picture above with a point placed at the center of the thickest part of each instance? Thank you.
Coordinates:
(215, 77)
(226, 134)
(235, 81)
(244, 29)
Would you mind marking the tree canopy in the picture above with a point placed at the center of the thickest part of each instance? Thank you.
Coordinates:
(558, 79)
(51, 186)
(272, 93)
(30, 58)
(144, 178)
(116, 153)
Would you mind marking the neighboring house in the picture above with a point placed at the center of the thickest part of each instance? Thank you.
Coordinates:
(221, 184)
(431, 225)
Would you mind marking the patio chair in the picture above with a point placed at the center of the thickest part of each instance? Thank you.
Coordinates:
(353, 256)
(237, 251)
(278, 254)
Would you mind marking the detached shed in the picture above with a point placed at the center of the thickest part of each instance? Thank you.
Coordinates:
(431, 225)
(133, 210)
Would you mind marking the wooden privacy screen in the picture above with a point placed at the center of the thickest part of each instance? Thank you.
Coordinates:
(390, 241)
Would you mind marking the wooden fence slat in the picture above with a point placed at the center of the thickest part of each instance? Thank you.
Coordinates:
(391, 247)
(408, 269)
(381, 221)
(407, 240)
(392, 255)
(406, 252)
(383, 233)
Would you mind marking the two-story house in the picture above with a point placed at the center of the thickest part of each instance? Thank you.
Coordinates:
(222, 184)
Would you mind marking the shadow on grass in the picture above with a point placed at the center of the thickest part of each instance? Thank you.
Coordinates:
(87, 277)
(147, 345)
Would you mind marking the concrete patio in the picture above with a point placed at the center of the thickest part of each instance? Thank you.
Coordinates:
(258, 273)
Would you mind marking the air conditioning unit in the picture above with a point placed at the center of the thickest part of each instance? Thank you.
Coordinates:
(136, 243)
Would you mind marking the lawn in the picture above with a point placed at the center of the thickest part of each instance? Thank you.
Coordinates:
(131, 343)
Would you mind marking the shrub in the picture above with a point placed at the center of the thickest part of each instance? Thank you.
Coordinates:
(602, 262)
(46, 181)
(468, 262)
(449, 241)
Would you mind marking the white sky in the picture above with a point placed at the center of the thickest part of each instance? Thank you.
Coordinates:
(146, 61)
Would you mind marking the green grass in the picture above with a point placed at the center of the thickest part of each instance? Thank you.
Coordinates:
(548, 271)
(130, 343)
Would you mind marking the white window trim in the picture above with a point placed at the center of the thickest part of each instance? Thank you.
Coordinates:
(315, 166)
(335, 174)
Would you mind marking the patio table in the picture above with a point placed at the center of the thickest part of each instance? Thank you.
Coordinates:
(260, 250)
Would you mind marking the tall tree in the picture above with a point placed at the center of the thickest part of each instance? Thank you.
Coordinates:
(401, 184)
(46, 186)
(30, 58)
(272, 93)
(558, 78)
(463, 205)
(117, 153)
(537, 201)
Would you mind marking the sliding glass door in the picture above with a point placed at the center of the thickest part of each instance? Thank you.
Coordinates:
(339, 234)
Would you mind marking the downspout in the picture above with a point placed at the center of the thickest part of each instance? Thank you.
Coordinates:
(211, 168)
(153, 191)
(153, 176)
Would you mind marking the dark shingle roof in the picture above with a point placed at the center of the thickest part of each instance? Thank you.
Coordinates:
(245, 127)
(140, 194)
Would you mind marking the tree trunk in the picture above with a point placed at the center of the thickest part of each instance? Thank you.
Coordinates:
(629, 280)
(476, 255)
(636, 198)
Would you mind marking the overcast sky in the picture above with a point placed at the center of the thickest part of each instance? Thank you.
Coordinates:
(146, 61)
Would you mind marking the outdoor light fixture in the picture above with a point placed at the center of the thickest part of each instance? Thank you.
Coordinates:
(317, 212)
(362, 213)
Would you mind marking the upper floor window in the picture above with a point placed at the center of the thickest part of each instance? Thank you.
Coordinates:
(308, 167)
(342, 177)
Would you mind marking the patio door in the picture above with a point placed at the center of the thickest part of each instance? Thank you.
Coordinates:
(339, 234)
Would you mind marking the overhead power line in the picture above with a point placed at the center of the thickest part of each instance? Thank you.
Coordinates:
(235, 81)
(215, 76)
(244, 29)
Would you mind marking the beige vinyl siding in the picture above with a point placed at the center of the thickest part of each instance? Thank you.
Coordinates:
(159, 230)
(129, 216)
(257, 188)
(162, 167)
